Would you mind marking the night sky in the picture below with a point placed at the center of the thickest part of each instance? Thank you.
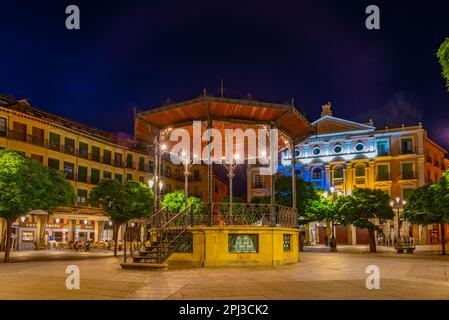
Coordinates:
(139, 53)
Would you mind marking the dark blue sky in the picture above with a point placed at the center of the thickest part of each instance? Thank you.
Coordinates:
(142, 52)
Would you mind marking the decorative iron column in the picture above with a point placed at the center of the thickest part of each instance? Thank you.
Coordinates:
(230, 167)
(293, 173)
(272, 184)
(209, 170)
(156, 171)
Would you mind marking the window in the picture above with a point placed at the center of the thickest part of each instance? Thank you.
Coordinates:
(360, 170)
(383, 172)
(54, 141)
(317, 174)
(68, 170)
(94, 176)
(37, 137)
(297, 153)
(129, 176)
(150, 166)
(83, 151)
(95, 154)
(53, 163)
(37, 157)
(82, 174)
(106, 156)
(259, 181)
(82, 197)
(316, 151)
(107, 175)
(383, 148)
(196, 192)
(407, 171)
(2, 127)
(19, 131)
(196, 175)
(141, 163)
(359, 146)
(338, 148)
(406, 145)
(129, 160)
(287, 243)
(118, 177)
(168, 172)
(69, 145)
(338, 173)
(118, 159)
(243, 243)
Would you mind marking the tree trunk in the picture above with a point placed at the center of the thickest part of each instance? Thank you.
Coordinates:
(443, 240)
(115, 238)
(372, 241)
(8, 240)
(301, 247)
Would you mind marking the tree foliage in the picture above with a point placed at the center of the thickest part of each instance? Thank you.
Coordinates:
(122, 202)
(443, 58)
(27, 185)
(174, 202)
(429, 204)
(362, 207)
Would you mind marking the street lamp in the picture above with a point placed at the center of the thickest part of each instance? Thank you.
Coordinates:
(398, 204)
(230, 167)
(187, 163)
(334, 194)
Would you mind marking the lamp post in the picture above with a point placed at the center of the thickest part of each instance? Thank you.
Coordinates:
(230, 167)
(398, 204)
(187, 162)
(334, 194)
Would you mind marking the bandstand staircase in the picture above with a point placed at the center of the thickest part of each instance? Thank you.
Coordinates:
(167, 233)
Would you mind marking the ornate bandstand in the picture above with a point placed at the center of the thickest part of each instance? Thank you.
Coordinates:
(228, 233)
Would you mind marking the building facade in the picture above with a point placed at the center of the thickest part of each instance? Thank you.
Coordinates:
(346, 154)
(85, 156)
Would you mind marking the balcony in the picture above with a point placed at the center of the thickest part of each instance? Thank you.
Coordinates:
(17, 135)
(383, 177)
(408, 176)
(69, 149)
(259, 186)
(118, 163)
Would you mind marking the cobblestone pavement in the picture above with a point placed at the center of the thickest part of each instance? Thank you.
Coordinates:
(319, 275)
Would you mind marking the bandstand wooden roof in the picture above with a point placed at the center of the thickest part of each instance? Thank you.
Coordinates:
(246, 113)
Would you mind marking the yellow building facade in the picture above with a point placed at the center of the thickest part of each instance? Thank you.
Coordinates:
(85, 156)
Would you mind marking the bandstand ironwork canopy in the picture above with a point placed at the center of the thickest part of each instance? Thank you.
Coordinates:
(152, 127)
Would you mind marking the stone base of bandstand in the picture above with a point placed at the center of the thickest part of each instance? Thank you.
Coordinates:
(211, 247)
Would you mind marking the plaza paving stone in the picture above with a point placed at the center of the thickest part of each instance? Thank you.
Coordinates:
(319, 275)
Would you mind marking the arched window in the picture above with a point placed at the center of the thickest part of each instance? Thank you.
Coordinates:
(338, 172)
(360, 170)
(317, 174)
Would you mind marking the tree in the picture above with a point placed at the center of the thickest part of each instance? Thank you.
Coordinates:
(364, 205)
(27, 185)
(305, 194)
(443, 57)
(325, 208)
(174, 202)
(122, 202)
(429, 204)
